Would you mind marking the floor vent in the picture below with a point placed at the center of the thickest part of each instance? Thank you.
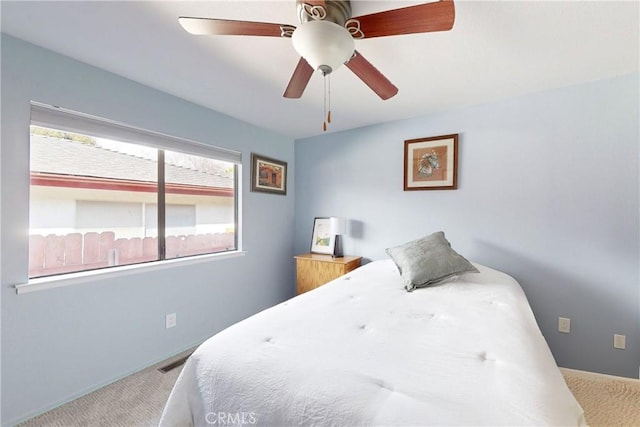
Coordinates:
(173, 365)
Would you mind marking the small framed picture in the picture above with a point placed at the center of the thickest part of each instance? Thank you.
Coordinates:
(431, 163)
(268, 175)
(322, 240)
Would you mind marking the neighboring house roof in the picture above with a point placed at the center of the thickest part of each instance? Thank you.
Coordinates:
(65, 157)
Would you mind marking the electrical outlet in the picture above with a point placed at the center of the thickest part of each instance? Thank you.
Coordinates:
(619, 341)
(564, 325)
(170, 320)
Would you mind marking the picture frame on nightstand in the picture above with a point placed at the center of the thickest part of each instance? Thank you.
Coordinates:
(322, 240)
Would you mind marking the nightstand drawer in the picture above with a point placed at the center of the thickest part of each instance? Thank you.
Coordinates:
(313, 270)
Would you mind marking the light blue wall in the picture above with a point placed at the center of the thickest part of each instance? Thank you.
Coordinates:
(548, 192)
(59, 343)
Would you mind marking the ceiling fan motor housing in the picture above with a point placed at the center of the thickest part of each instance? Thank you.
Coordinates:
(322, 39)
(336, 11)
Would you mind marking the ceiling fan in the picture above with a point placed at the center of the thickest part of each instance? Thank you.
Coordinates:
(325, 37)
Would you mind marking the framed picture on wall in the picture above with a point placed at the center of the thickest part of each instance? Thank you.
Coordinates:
(431, 163)
(321, 239)
(268, 175)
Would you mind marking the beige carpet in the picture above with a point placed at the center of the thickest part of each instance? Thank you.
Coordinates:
(138, 400)
(607, 401)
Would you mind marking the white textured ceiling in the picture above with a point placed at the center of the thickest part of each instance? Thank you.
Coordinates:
(497, 49)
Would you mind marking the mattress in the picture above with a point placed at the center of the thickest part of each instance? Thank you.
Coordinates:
(361, 350)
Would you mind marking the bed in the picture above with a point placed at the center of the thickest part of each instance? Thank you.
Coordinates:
(423, 338)
(361, 350)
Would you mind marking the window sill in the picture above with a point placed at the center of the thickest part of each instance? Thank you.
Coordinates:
(69, 279)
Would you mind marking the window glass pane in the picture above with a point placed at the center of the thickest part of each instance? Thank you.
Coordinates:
(92, 214)
(94, 202)
(201, 205)
(177, 215)
(87, 202)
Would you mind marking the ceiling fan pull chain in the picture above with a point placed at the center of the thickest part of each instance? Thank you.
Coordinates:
(329, 101)
(324, 90)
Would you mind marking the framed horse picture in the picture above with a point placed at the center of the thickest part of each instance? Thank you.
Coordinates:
(431, 163)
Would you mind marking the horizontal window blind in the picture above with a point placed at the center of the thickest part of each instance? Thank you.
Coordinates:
(71, 121)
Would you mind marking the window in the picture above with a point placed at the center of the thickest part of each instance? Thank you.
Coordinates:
(103, 194)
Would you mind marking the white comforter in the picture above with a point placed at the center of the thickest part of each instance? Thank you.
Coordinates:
(363, 351)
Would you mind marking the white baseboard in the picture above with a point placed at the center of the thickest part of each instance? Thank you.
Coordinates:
(599, 375)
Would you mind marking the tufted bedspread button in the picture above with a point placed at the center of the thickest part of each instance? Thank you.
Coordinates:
(482, 356)
(383, 384)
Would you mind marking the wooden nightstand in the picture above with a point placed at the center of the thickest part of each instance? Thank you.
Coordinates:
(313, 270)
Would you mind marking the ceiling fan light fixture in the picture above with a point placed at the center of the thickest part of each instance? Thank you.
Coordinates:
(323, 44)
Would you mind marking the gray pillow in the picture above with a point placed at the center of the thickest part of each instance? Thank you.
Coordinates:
(428, 260)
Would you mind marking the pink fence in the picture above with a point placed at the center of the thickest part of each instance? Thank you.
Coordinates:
(54, 254)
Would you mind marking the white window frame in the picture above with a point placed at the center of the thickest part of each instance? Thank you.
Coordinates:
(71, 121)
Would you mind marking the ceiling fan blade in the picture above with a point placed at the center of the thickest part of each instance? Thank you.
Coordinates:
(422, 18)
(299, 79)
(371, 76)
(211, 26)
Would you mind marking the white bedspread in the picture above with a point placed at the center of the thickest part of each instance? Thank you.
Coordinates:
(363, 351)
